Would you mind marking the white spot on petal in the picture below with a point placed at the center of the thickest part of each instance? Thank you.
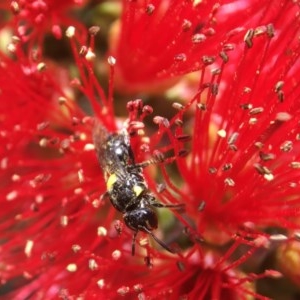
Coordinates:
(28, 248)
(93, 264)
(101, 231)
(15, 178)
(221, 133)
(111, 60)
(71, 268)
(89, 147)
(4, 163)
(70, 31)
(78, 191)
(116, 254)
(11, 196)
(80, 176)
(90, 55)
(278, 237)
(269, 177)
(123, 290)
(101, 283)
(64, 220)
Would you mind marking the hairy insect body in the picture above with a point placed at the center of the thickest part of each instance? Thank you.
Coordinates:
(125, 183)
(125, 190)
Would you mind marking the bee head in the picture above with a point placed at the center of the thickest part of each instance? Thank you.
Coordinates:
(141, 218)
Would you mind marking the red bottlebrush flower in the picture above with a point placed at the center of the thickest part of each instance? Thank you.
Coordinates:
(159, 40)
(34, 18)
(245, 135)
(238, 181)
(55, 228)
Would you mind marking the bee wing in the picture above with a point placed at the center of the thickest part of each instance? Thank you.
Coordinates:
(108, 161)
(100, 137)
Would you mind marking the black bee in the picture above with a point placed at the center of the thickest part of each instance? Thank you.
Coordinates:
(125, 183)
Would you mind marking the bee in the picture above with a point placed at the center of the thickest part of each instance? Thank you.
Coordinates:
(125, 183)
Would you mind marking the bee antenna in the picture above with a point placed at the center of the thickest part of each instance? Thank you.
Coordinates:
(161, 243)
(133, 243)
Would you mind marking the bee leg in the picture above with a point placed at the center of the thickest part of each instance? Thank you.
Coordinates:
(157, 159)
(180, 206)
(133, 243)
(104, 196)
(161, 243)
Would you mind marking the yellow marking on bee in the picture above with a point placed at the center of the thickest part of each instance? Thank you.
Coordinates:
(111, 181)
(137, 190)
